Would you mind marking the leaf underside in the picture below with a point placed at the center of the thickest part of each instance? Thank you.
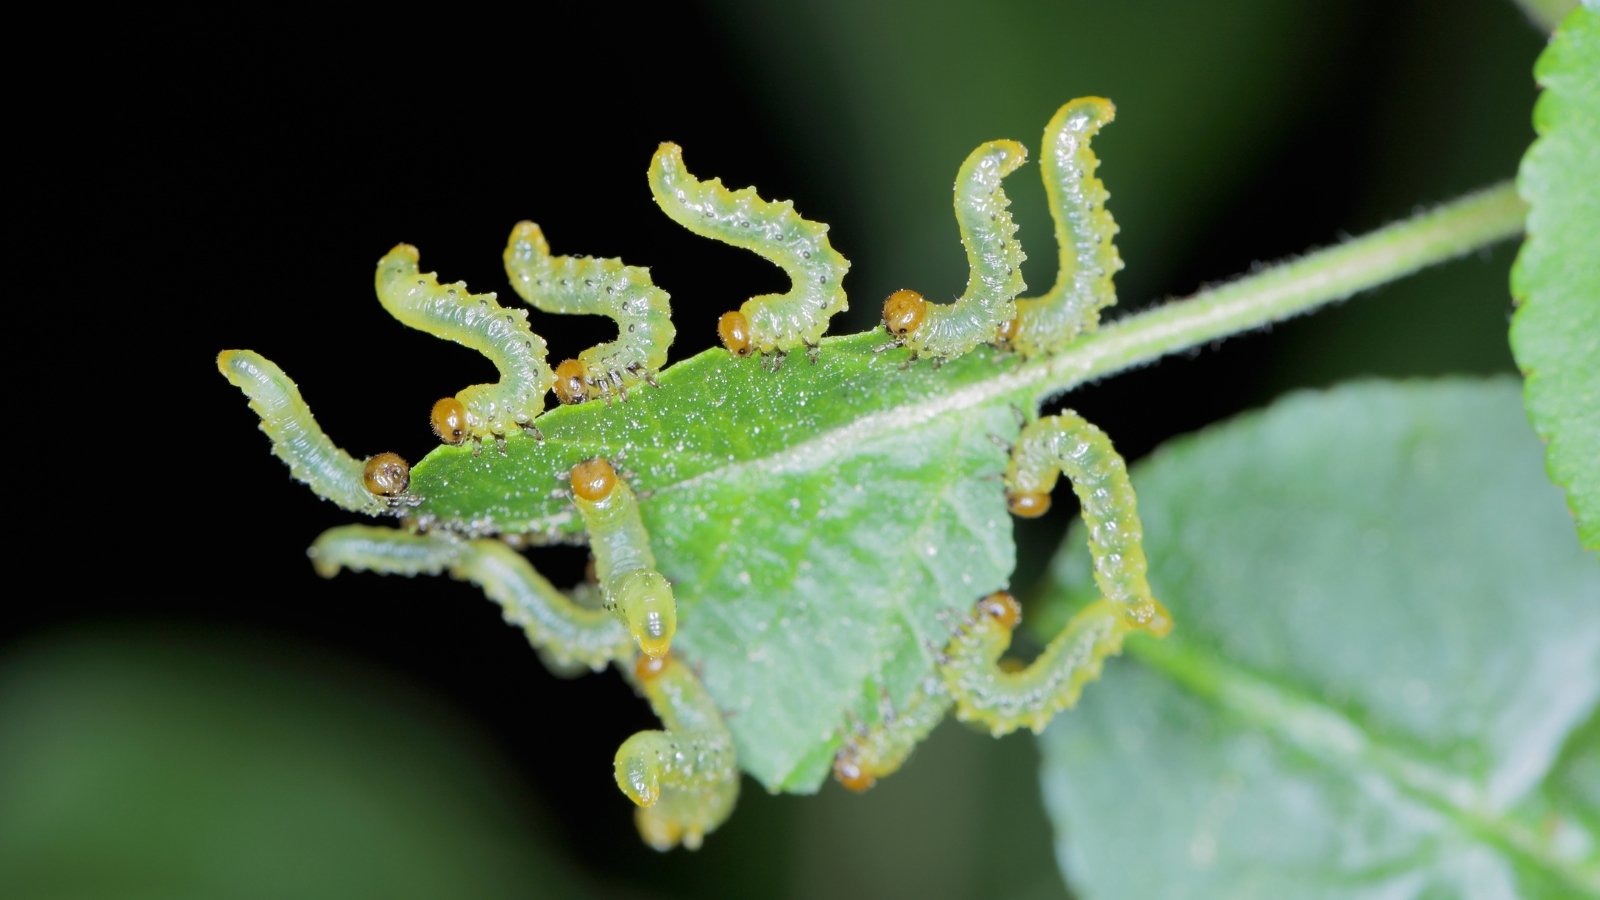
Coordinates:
(816, 523)
(1388, 646)
(1555, 334)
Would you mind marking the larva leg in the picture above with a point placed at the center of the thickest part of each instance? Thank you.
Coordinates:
(585, 285)
(1084, 232)
(875, 751)
(477, 321)
(771, 323)
(566, 633)
(1003, 699)
(993, 255)
(373, 486)
(684, 779)
(624, 565)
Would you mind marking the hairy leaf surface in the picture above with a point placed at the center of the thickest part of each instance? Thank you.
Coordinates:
(815, 522)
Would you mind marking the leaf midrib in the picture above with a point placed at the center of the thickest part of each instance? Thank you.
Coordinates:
(1342, 744)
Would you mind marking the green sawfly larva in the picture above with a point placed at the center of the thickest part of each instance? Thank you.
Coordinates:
(685, 779)
(472, 320)
(624, 565)
(770, 323)
(364, 486)
(1084, 231)
(994, 259)
(566, 633)
(586, 285)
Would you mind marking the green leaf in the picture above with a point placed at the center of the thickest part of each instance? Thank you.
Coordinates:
(1556, 331)
(140, 763)
(815, 522)
(1386, 632)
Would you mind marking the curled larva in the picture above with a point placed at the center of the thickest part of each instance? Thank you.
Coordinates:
(994, 256)
(873, 751)
(585, 285)
(477, 321)
(1084, 232)
(1067, 444)
(1006, 698)
(567, 634)
(624, 565)
(298, 440)
(684, 779)
(770, 323)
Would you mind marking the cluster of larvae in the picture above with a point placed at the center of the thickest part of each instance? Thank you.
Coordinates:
(684, 779)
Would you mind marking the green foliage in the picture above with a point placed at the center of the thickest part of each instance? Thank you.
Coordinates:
(1556, 331)
(1386, 636)
(814, 522)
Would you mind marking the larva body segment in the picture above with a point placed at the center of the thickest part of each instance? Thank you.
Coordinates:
(1005, 700)
(994, 257)
(871, 752)
(477, 321)
(770, 323)
(566, 633)
(1084, 232)
(1067, 444)
(624, 565)
(683, 779)
(586, 285)
(297, 439)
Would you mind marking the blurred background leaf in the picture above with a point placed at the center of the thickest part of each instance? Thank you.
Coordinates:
(1387, 634)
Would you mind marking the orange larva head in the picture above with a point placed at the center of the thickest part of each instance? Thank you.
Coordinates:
(593, 479)
(570, 382)
(903, 312)
(449, 420)
(1007, 333)
(387, 475)
(1027, 504)
(648, 667)
(849, 773)
(1002, 608)
(734, 330)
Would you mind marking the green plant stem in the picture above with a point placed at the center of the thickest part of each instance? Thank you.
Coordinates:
(1285, 290)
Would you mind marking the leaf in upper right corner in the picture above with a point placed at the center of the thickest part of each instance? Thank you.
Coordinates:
(1383, 676)
(1556, 331)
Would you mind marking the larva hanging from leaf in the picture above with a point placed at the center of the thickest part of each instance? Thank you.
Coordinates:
(770, 323)
(566, 633)
(1084, 232)
(624, 565)
(477, 321)
(945, 330)
(366, 486)
(873, 751)
(1006, 698)
(684, 780)
(1069, 445)
(585, 285)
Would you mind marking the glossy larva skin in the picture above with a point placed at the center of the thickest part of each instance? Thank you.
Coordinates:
(623, 563)
(480, 322)
(684, 778)
(1084, 230)
(994, 259)
(775, 323)
(587, 285)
